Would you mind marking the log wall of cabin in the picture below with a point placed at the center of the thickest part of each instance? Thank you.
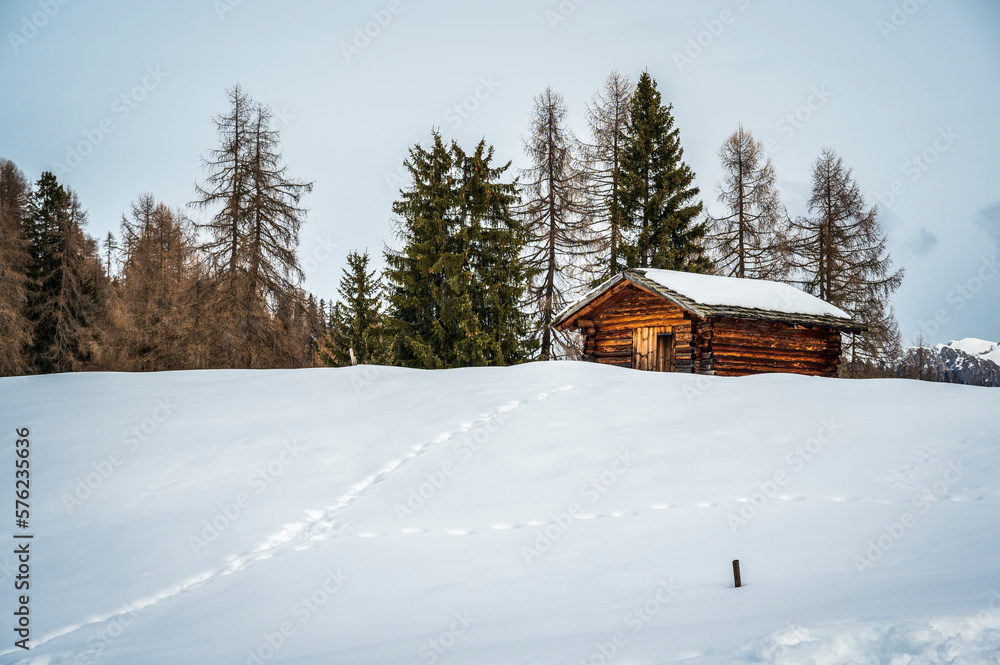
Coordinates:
(702, 340)
(611, 347)
(735, 347)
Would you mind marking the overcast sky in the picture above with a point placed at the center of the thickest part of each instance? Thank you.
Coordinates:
(117, 97)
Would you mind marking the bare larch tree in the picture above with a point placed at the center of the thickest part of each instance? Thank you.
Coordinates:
(748, 238)
(607, 116)
(562, 243)
(840, 255)
(275, 216)
(228, 184)
(151, 315)
(15, 330)
(252, 238)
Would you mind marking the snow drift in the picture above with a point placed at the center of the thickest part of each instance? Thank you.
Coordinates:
(546, 513)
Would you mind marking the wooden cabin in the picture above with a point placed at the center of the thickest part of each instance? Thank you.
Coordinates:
(668, 321)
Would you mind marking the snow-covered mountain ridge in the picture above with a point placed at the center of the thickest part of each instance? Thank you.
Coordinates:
(969, 361)
(546, 513)
(980, 348)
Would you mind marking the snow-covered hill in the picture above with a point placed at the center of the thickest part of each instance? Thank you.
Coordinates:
(969, 361)
(547, 513)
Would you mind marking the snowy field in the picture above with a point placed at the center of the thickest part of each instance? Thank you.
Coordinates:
(547, 513)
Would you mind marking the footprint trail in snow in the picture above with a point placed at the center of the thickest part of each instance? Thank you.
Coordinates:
(317, 525)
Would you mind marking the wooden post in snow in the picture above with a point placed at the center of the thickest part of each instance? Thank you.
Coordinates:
(736, 573)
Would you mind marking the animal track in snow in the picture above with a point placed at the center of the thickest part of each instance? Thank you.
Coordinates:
(316, 525)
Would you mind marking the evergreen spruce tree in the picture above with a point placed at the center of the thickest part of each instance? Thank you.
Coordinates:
(455, 286)
(497, 241)
(315, 322)
(657, 193)
(326, 351)
(430, 301)
(359, 325)
(66, 275)
(110, 248)
(15, 329)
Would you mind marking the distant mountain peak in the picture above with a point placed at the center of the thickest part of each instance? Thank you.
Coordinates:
(981, 348)
(970, 361)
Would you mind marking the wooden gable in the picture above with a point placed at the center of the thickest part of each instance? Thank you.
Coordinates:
(622, 326)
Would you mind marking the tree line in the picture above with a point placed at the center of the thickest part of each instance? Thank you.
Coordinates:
(168, 293)
(584, 210)
(484, 255)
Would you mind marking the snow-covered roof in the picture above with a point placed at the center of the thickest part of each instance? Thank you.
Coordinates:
(750, 293)
(710, 295)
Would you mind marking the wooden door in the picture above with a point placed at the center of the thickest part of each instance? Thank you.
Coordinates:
(664, 352)
(646, 345)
